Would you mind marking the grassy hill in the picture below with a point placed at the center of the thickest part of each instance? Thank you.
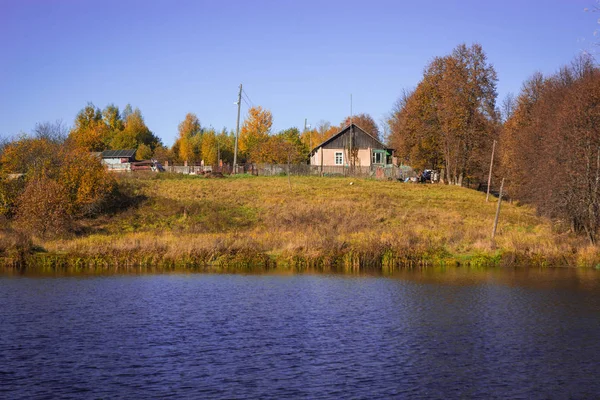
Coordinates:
(344, 224)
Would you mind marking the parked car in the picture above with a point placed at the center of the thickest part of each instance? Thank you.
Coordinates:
(426, 175)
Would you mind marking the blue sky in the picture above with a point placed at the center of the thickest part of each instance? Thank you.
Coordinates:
(300, 59)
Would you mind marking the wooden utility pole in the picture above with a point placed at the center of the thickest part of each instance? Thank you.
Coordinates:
(498, 210)
(351, 156)
(237, 131)
(351, 116)
(487, 196)
(288, 170)
(309, 138)
(218, 155)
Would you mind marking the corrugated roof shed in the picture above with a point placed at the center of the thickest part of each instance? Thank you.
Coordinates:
(118, 153)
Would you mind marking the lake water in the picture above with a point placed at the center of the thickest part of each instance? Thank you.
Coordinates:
(420, 334)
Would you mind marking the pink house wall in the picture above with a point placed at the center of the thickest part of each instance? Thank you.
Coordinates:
(363, 157)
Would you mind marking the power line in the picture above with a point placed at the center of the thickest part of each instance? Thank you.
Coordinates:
(246, 102)
(248, 97)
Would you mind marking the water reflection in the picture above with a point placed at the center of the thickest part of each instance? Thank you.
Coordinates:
(564, 278)
(433, 333)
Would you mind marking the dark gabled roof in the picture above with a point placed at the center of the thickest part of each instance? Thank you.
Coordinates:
(118, 153)
(341, 132)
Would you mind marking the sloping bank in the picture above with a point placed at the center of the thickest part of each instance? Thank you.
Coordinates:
(323, 224)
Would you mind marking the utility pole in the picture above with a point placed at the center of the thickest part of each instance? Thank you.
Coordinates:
(309, 134)
(304, 131)
(237, 130)
(487, 196)
(498, 210)
(351, 116)
(218, 155)
(351, 157)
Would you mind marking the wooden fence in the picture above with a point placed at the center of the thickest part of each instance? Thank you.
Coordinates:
(379, 172)
(390, 172)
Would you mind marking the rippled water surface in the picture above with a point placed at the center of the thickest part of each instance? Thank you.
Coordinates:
(421, 334)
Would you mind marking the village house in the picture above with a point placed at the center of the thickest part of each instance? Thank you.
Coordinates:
(351, 147)
(118, 160)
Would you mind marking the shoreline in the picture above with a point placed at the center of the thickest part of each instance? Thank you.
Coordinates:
(350, 262)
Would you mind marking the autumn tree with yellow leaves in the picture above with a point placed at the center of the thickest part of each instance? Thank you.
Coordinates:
(135, 132)
(188, 145)
(99, 130)
(90, 131)
(282, 148)
(209, 147)
(254, 133)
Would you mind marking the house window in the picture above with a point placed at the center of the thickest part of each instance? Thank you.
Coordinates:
(377, 158)
(339, 158)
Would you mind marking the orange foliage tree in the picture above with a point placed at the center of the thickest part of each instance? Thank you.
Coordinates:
(43, 208)
(135, 132)
(209, 147)
(61, 183)
(365, 122)
(254, 132)
(450, 120)
(188, 145)
(90, 132)
(285, 147)
(550, 146)
(97, 130)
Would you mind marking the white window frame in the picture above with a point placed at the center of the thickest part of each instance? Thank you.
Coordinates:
(374, 155)
(335, 158)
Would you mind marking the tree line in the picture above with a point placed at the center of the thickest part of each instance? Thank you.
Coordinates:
(548, 136)
(112, 129)
(550, 145)
(96, 130)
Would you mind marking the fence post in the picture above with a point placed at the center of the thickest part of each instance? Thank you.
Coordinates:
(487, 196)
(288, 172)
(498, 210)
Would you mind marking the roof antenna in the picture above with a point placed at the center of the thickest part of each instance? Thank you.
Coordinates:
(351, 116)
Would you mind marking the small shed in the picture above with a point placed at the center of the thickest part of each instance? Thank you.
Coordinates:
(118, 160)
(352, 146)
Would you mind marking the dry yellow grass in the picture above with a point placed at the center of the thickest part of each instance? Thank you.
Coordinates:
(319, 223)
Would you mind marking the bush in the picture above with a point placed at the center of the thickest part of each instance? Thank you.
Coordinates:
(44, 208)
(60, 185)
(10, 190)
(86, 182)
